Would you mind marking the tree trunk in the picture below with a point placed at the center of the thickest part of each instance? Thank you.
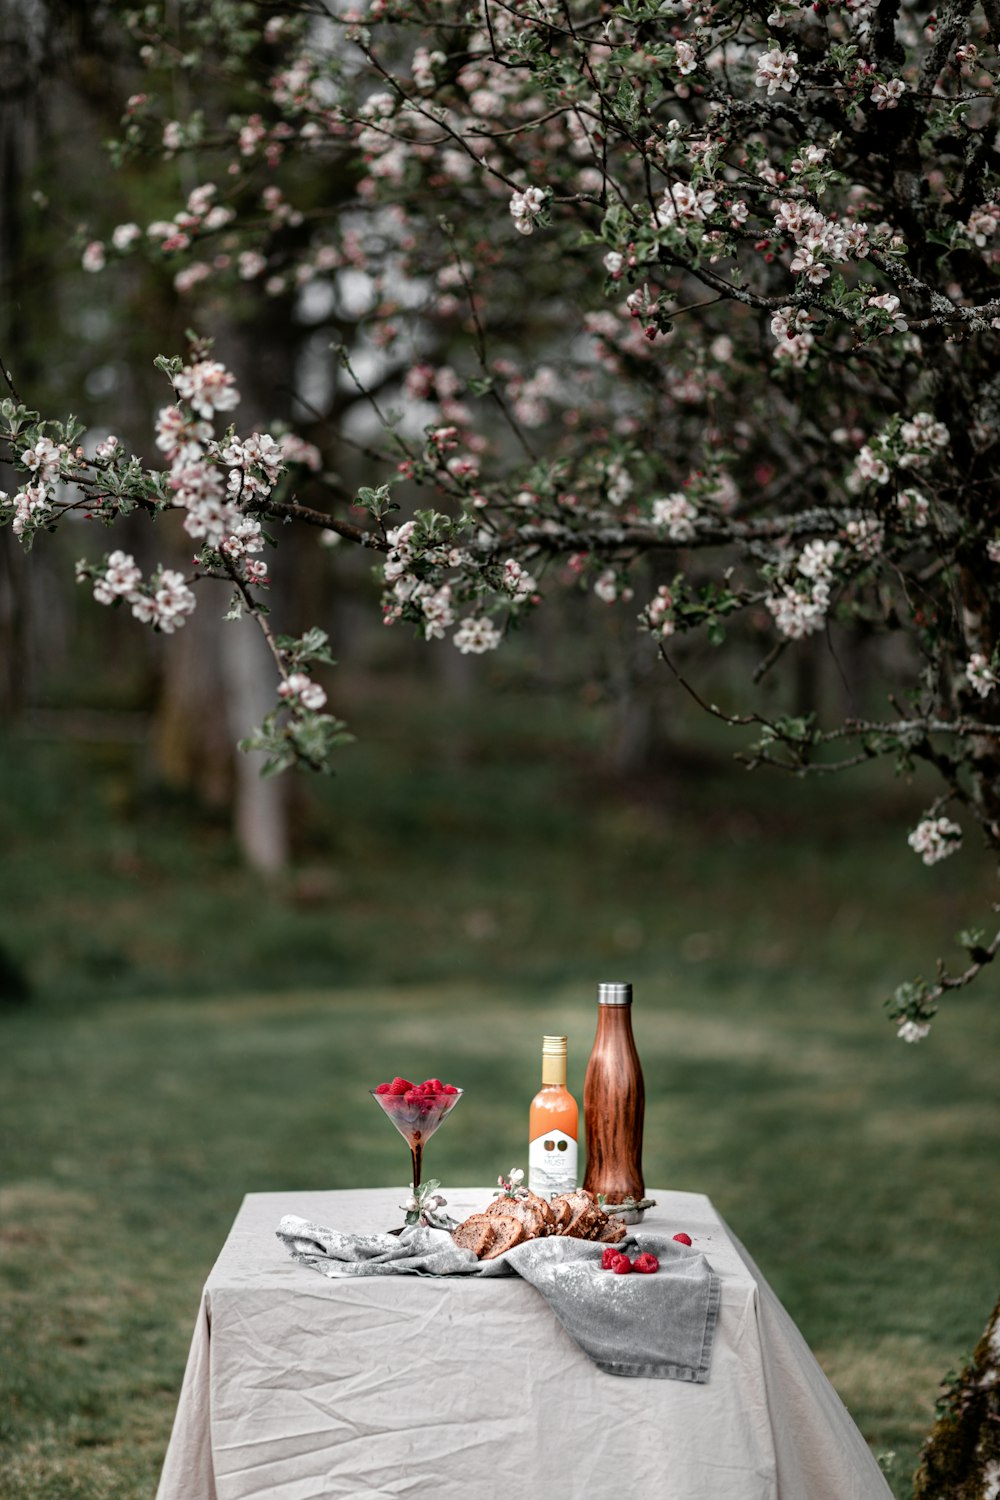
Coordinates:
(22, 30)
(961, 1458)
(261, 805)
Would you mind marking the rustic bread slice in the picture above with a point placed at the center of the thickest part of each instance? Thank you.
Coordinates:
(550, 1218)
(562, 1214)
(476, 1233)
(613, 1231)
(507, 1232)
(586, 1215)
(530, 1210)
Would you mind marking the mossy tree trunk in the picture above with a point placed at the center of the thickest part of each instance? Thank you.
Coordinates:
(961, 1458)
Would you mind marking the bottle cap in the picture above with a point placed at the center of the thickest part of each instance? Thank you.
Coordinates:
(554, 1046)
(614, 994)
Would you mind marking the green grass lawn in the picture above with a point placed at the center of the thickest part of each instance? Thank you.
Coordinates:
(193, 1036)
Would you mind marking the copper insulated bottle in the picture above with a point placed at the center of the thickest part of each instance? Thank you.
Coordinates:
(614, 1101)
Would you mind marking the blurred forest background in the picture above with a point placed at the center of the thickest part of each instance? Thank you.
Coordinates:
(201, 973)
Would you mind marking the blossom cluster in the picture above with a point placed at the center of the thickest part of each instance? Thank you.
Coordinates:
(427, 582)
(678, 306)
(801, 600)
(196, 481)
(164, 601)
(934, 839)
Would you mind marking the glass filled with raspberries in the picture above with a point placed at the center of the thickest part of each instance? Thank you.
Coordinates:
(416, 1110)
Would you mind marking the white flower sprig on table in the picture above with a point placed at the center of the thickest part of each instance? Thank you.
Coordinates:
(425, 1205)
(512, 1186)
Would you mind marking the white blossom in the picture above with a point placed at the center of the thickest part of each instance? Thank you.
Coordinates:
(178, 437)
(983, 223)
(44, 459)
(868, 466)
(32, 505)
(934, 839)
(888, 95)
(437, 610)
(980, 674)
(816, 560)
(683, 202)
(476, 636)
(519, 583)
(125, 236)
(525, 207)
(120, 580)
(208, 386)
(866, 536)
(890, 304)
(687, 60)
(620, 483)
(658, 614)
(799, 611)
(776, 70)
(169, 604)
(913, 507)
(677, 514)
(301, 687)
(259, 450)
(94, 257)
(295, 450)
(913, 1031)
(923, 432)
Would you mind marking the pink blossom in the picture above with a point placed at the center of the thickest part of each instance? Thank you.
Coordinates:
(888, 95)
(94, 258)
(301, 687)
(934, 839)
(980, 674)
(208, 386)
(676, 515)
(776, 70)
(525, 207)
(120, 579)
(476, 635)
(125, 236)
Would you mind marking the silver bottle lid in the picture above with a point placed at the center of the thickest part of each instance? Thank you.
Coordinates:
(614, 994)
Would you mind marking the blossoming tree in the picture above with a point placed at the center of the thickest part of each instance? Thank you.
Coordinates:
(690, 304)
(683, 303)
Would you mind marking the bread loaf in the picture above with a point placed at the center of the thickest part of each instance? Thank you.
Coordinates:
(512, 1221)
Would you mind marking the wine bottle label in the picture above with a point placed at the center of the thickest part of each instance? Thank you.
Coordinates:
(552, 1162)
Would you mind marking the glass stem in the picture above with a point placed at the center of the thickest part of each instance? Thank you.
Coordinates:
(416, 1151)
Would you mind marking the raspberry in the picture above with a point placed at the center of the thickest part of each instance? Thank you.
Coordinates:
(646, 1263)
(413, 1096)
(609, 1257)
(621, 1265)
(432, 1086)
(384, 1088)
(399, 1086)
(448, 1088)
(683, 1239)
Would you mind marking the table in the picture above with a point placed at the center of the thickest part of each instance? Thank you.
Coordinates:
(303, 1387)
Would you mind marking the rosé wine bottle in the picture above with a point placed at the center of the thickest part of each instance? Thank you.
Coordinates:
(553, 1126)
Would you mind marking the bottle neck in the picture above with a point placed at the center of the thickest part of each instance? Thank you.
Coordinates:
(614, 1018)
(553, 1071)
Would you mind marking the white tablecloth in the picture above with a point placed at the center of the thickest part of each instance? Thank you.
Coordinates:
(303, 1387)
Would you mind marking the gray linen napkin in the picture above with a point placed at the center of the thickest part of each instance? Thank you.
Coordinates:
(659, 1326)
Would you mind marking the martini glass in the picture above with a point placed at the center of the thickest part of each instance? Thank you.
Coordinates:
(416, 1116)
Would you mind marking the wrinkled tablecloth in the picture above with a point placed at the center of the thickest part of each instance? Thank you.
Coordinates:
(659, 1326)
(306, 1387)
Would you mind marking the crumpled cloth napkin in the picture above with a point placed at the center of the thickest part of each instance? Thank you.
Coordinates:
(660, 1326)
